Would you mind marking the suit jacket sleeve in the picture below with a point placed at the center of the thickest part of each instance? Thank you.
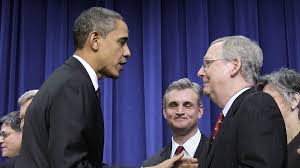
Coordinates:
(262, 137)
(70, 121)
(159, 157)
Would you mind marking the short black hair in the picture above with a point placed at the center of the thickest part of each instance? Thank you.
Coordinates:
(97, 19)
(12, 119)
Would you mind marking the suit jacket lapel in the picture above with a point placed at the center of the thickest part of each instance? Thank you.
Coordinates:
(237, 103)
(77, 66)
(166, 152)
(221, 132)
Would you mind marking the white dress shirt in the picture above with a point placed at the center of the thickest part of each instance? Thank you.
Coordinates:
(231, 100)
(190, 146)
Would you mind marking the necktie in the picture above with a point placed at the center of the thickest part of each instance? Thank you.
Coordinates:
(98, 93)
(178, 150)
(217, 127)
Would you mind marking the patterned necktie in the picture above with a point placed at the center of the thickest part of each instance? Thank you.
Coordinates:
(178, 150)
(217, 127)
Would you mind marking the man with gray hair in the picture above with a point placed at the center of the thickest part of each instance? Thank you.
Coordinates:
(182, 108)
(64, 125)
(24, 101)
(250, 129)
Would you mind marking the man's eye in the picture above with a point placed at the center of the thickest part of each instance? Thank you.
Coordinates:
(173, 105)
(188, 105)
(122, 42)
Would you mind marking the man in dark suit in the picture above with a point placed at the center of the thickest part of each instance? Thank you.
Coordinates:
(182, 108)
(250, 130)
(64, 123)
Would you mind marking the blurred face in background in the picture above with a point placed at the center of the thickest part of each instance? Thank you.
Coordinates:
(23, 109)
(282, 103)
(10, 141)
(182, 111)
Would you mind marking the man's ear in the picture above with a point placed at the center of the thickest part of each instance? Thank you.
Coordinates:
(94, 40)
(236, 66)
(164, 113)
(200, 113)
(295, 101)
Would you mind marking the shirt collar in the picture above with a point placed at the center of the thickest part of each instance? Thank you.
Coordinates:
(190, 146)
(231, 100)
(90, 71)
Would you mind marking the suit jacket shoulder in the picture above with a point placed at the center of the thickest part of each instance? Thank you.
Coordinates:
(159, 157)
(64, 123)
(251, 135)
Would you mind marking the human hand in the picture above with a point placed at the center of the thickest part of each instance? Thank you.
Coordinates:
(178, 162)
(185, 162)
(298, 151)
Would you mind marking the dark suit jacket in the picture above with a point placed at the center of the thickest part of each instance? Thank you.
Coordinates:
(8, 163)
(64, 124)
(165, 153)
(251, 135)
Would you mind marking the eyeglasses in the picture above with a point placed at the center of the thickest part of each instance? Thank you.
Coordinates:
(207, 62)
(4, 134)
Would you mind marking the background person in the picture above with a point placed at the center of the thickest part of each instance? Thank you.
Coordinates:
(182, 108)
(284, 87)
(24, 101)
(10, 135)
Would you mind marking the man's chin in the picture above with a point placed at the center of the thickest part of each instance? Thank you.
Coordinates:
(112, 75)
(115, 76)
(206, 91)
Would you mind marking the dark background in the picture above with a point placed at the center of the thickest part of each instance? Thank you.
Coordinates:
(168, 39)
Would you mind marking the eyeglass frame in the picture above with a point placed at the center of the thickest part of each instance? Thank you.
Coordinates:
(4, 134)
(207, 62)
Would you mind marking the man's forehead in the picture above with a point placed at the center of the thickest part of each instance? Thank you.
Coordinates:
(213, 50)
(5, 127)
(188, 94)
(121, 26)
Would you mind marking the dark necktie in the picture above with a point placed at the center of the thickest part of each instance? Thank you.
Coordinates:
(178, 150)
(217, 127)
(98, 93)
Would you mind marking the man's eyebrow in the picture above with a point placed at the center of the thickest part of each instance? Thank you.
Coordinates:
(172, 102)
(123, 39)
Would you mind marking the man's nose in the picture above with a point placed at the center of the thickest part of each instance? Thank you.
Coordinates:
(180, 110)
(200, 72)
(1, 139)
(126, 52)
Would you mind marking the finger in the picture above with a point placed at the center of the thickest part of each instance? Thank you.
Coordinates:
(177, 157)
(169, 163)
(186, 165)
(298, 151)
(189, 160)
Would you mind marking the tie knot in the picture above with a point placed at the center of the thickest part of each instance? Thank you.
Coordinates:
(179, 150)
